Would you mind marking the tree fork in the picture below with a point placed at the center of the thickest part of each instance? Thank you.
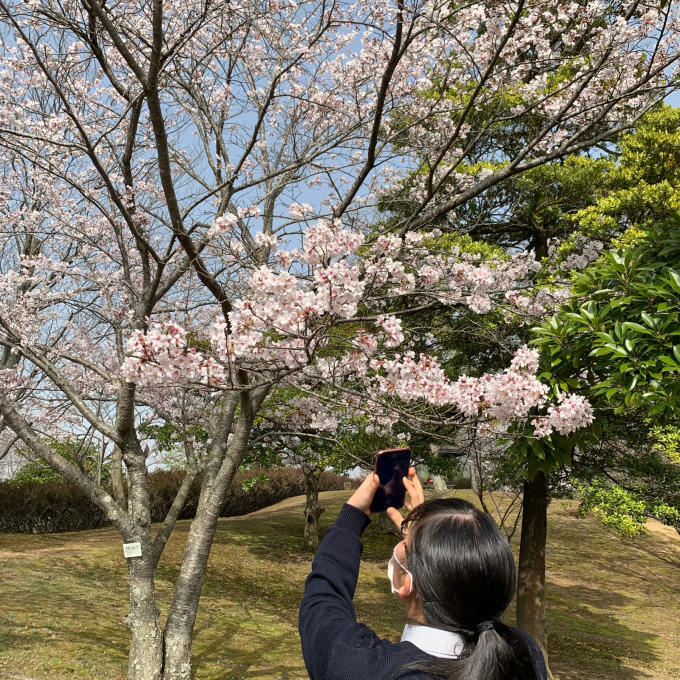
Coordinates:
(182, 616)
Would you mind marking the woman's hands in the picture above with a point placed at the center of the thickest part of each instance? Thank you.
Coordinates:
(415, 497)
(363, 496)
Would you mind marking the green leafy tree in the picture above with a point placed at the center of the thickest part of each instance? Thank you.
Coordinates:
(554, 210)
(524, 212)
(622, 327)
(619, 338)
(641, 182)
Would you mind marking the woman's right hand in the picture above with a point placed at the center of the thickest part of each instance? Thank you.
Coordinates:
(415, 497)
(363, 496)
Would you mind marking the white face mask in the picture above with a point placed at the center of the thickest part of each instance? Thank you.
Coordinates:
(390, 572)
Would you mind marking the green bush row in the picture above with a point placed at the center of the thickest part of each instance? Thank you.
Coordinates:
(48, 507)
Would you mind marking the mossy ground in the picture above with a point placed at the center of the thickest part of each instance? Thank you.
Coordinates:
(613, 604)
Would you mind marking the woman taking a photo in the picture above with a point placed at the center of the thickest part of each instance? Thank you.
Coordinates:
(453, 572)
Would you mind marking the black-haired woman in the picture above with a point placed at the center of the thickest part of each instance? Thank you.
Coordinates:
(454, 573)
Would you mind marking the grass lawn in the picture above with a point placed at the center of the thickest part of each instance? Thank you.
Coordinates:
(613, 604)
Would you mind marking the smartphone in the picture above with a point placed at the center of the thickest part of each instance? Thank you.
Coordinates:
(390, 465)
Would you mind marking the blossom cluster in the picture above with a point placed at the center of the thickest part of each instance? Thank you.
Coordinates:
(161, 356)
(224, 224)
(277, 321)
(305, 413)
(281, 321)
(568, 415)
(507, 396)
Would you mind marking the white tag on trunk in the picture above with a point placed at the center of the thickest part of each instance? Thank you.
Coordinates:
(132, 549)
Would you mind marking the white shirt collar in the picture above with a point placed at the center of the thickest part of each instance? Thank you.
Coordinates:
(435, 641)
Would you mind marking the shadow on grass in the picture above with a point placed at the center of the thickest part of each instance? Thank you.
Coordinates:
(63, 612)
(585, 639)
(271, 540)
(265, 659)
(665, 552)
(55, 637)
(279, 539)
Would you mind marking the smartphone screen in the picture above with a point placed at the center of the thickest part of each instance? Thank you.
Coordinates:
(391, 466)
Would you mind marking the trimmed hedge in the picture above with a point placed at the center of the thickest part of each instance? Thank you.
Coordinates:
(50, 507)
(46, 507)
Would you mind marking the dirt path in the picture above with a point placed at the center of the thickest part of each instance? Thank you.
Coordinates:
(53, 544)
(292, 504)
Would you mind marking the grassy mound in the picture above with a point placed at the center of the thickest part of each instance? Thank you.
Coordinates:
(612, 603)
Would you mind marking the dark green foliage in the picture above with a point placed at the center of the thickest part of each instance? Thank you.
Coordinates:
(33, 507)
(620, 335)
(619, 341)
(270, 486)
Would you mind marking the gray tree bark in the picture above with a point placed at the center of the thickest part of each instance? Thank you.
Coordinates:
(439, 486)
(117, 477)
(145, 660)
(218, 477)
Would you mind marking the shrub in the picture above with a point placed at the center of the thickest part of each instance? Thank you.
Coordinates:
(618, 508)
(666, 514)
(77, 451)
(47, 507)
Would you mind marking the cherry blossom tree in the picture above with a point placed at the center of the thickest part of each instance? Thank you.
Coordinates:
(189, 192)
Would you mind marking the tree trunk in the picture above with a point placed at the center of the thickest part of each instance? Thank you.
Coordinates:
(439, 486)
(145, 661)
(313, 509)
(182, 615)
(170, 520)
(101, 452)
(184, 607)
(531, 570)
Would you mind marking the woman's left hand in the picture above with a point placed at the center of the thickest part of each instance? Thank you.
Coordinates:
(415, 496)
(363, 496)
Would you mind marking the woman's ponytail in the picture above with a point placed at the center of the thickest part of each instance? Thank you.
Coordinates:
(490, 657)
(464, 575)
(494, 654)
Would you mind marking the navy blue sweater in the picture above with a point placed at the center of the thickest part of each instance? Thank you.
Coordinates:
(334, 645)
